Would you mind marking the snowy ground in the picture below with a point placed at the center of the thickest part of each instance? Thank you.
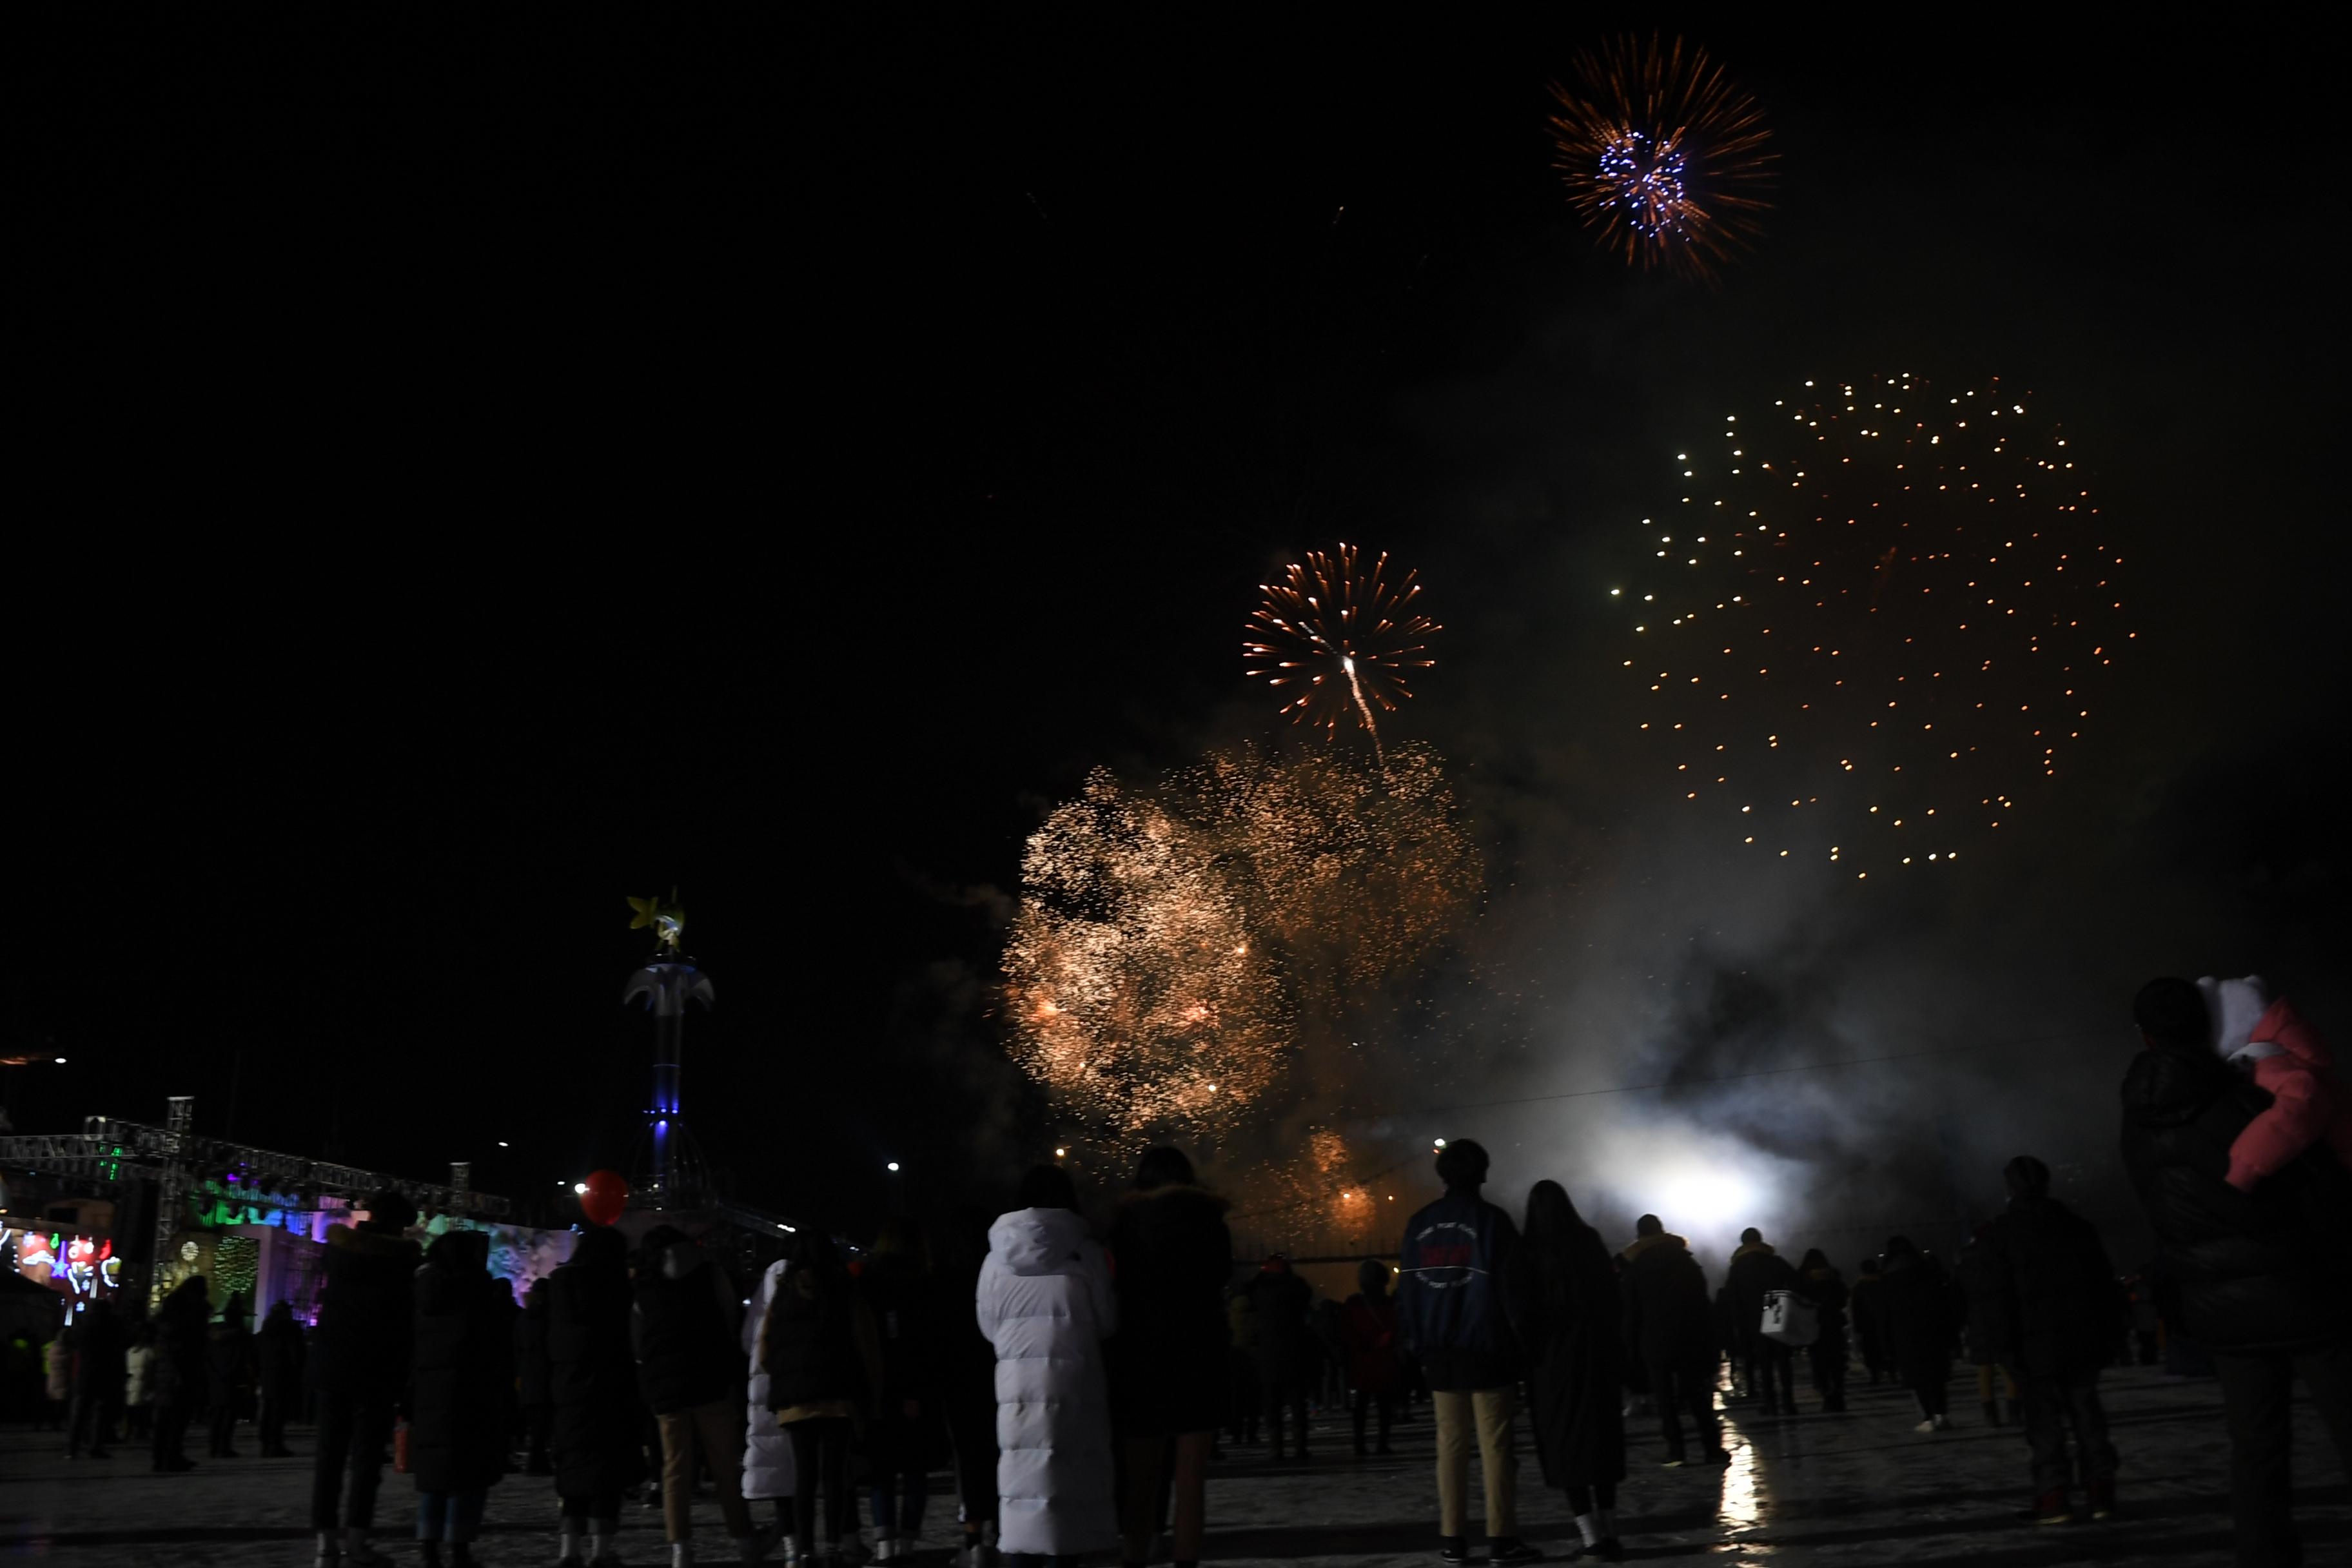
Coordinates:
(1862, 1489)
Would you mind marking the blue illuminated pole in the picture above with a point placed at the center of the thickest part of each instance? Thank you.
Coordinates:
(668, 984)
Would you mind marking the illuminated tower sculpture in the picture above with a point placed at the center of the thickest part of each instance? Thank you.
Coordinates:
(675, 1177)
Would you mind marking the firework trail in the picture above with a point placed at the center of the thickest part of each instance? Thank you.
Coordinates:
(1662, 154)
(1332, 624)
(1872, 623)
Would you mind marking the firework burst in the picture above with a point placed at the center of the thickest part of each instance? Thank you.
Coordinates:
(1192, 957)
(1334, 637)
(1662, 154)
(1873, 622)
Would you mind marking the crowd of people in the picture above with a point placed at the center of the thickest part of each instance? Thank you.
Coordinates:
(1076, 1378)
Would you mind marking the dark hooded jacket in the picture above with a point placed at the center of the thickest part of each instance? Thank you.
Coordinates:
(591, 1375)
(1170, 1362)
(1284, 1346)
(1669, 1320)
(1449, 1296)
(685, 1326)
(1756, 1269)
(2043, 1299)
(821, 1345)
(181, 1345)
(2269, 1270)
(277, 1352)
(1918, 1298)
(361, 1346)
(461, 1406)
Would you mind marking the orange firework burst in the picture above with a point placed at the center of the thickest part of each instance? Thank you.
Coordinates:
(1342, 636)
(1662, 154)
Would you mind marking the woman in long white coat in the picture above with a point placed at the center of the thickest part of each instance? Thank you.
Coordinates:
(767, 1451)
(1045, 1304)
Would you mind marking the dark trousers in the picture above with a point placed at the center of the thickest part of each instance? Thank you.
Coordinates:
(172, 1420)
(220, 1425)
(538, 1425)
(1773, 1372)
(91, 1424)
(1926, 1380)
(1366, 1403)
(1828, 1356)
(820, 1456)
(2255, 1394)
(599, 1505)
(1279, 1398)
(353, 1430)
(1687, 1387)
(275, 1406)
(2054, 1404)
(971, 1428)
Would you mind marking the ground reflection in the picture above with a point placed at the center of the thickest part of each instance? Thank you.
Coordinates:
(1743, 1504)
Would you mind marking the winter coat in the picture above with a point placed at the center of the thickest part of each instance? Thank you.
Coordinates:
(1866, 1303)
(228, 1359)
(277, 1355)
(1045, 1303)
(1567, 1329)
(823, 1351)
(686, 1329)
(1669, 1321)
(1368, 1337)
(2043, 1299)
(180, 1333)
(900, 1301)
(461, 1402)
(530, 1347)
(767, 1449)
(1448, 1301)
(1918, 1296)
(1756, 1271)
(1825, 1289)
(2289, 1062)
(99, 1347)
(2265, 1271)
(1169, 1368)
(592, 1376)
(139, 1364)
(1283, 1344)
(366, 1314)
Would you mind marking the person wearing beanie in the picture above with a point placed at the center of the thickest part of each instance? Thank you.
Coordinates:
(2258, 1278)
(1450, 1308)
(2043, 1301)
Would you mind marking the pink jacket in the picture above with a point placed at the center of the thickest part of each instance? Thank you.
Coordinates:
(2306, 1106)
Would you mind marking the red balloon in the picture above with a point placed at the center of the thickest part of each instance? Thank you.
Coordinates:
(606, 1197)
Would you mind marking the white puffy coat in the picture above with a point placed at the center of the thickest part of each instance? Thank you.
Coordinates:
(1045, 1305)
(767, 1451)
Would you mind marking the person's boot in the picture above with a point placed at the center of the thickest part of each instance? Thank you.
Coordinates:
(357, 1553)
(2102, 1499)
(331, 1550)
(1610, 1550)
(568, 1554)
(1453, 1548)
(2052, 1507)
(681, 1555)
(1511, 1549)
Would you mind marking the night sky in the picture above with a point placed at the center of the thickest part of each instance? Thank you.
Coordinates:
(467, 474)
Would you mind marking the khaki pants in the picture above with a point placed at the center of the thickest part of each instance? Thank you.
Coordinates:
(1493, 1410)
(717, 1429)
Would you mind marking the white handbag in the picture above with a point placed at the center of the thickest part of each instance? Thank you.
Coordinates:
(1790, 1319)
